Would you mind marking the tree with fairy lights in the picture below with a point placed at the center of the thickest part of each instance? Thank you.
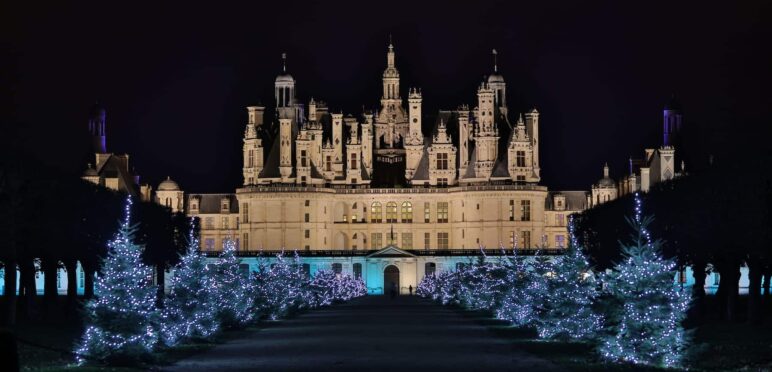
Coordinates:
(566, 308)
(524, 288)
(321, 288)
(648, 328)
(190, 310)
(232, 289)
(122, 319)
(427, 286)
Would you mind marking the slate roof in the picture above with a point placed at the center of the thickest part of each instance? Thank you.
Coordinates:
(210, 203)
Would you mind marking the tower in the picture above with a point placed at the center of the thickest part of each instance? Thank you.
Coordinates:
(414, 141)
(284, 86)
(486, 134)
(391, 124)
(390, 77)
(253, 145)
(671, 125)
(496, 82)
(442, 158)
(170, 195)
(96, 127)
(532, 128)
(463, 140)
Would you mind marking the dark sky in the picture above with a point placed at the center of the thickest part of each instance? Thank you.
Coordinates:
(175, 78)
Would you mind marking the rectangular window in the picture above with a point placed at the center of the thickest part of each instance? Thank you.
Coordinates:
(442, 182)
(520, 157)
(442, 212)
(427, 240)
(442, 240)
(303, 161)
(251, 161)
(526, 239)
(427, 213)
(407, 240)
(225, 223)
(442, 161)
(353, 161)
(520, 179)
(244, 212)
(561, 220)
(377, 241)
(209, 244)
(358, 271)
(209, 223)
(307, 217)
(511, 210)
(525, 210)
(328, 163)
(560, 241)
(308, 203)
(246, 241)
(307, 234)
(512, 240)
(82, 279)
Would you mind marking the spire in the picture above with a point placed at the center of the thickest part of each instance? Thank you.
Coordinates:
(284, 62)
(495, 65)
(605, 170)
(390, 54)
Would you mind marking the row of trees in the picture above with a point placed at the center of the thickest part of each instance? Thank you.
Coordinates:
(50, 221)
(715, 220)
(125, 324)
(633, 314)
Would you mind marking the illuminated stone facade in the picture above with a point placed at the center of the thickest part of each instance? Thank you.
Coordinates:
(315, 180)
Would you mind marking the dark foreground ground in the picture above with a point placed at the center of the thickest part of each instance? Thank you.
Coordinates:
(371, 333)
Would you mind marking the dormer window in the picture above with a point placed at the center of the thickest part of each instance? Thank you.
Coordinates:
(225, 205)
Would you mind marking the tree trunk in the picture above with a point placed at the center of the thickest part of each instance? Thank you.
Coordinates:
(721, 292)
(9, 296)
(698, 290)
(88, 291)
(50, 290)
(754, 291)
(29, 287)
(733, 289)
(160, 275)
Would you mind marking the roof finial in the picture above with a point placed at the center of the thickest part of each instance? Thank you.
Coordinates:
(495, 66)
(391, 45)
(284, 62)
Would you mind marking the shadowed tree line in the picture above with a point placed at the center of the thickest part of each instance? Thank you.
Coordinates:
(715, 220)
(51, 220)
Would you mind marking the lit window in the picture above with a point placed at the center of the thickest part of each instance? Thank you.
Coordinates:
(377, 240)
(427, 213)
(525, 210)
(407, 240)
(442, 161)
(526, 239)
(209, 244)
(442, 212)
(357, 271)
(376, 213)
(560, 241)
(407, 212)
(391, 212)
(442, 240)
(520, 157)
(511, 210)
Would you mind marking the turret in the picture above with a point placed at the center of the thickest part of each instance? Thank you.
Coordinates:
(671, 126)
(253, 145)
(96, 127)
(284, 86)
(532, 127)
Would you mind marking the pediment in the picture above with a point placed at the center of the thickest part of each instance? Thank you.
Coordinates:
(391, 251)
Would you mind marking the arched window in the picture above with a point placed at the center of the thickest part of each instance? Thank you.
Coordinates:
(391, 212)
(376, 213)
(407, 212)
(337, 268)
(430, 268)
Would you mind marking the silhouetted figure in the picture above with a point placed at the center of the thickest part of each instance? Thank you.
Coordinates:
(410, 288)
(393, 290)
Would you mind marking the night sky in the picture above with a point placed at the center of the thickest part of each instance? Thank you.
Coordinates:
(175, 78)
